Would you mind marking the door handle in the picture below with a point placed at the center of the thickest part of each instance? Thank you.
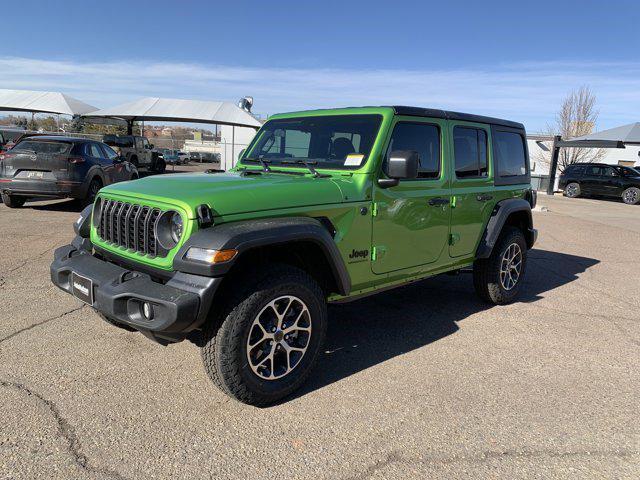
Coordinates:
(484, 197)
(438, 201)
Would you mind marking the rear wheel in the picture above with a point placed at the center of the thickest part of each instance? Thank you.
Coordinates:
(160, 166)
(268, 339)
(497, 279)
(92, 191)
(572, 190)
(12, 201)
(631, 196)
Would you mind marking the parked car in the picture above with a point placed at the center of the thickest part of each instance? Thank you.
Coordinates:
(601, 179)
(170, 156)
(50, 166)
(184, 157)
(137, 150)
(245, 262)
(9, 137)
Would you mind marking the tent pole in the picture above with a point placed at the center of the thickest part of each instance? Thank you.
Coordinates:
(555, 153)
(233, 144)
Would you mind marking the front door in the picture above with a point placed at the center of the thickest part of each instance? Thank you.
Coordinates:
(611, 181)
(471, 186)
(411, 220)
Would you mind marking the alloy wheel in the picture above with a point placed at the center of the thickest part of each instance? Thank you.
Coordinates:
(511, 266)
(631, 196)
(279, 337)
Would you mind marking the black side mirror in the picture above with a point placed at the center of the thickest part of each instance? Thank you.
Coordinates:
(402, 165)
(119, 159)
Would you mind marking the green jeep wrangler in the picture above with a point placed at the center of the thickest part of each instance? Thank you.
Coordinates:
(323, 206)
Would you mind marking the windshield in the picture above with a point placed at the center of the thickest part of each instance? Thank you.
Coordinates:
(337, 141)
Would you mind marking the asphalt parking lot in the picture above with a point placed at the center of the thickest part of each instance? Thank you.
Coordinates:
(420, 382)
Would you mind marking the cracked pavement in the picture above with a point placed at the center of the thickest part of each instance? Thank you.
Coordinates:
(420, 382)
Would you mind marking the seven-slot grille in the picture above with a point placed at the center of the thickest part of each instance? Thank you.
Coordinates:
(130, 226)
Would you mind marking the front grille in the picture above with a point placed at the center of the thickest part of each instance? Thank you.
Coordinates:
(130, 226)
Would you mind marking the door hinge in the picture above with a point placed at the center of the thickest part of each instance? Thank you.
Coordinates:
(374, 209)
(454, 238)
(374, 253)
(453, 201)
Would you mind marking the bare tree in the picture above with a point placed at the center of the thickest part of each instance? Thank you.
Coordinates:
(577, 117)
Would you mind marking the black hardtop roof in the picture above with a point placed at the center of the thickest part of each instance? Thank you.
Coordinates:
(449, 115)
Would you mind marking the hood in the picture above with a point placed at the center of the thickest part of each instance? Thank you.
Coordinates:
(231, 192)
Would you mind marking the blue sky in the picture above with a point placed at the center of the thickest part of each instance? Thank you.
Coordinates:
(511, 59)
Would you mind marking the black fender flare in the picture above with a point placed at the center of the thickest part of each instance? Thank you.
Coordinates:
(246, 235)
(93, 172)
(501, 212)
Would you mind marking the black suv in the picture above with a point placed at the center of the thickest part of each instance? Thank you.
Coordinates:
(58, 167)
(601, 179)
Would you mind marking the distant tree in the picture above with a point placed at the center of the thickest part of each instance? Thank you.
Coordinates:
(577, 117)
(48, 124)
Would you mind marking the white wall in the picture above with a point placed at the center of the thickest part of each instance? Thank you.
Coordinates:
(241, 138)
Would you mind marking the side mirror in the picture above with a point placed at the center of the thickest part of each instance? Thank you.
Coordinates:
(119, 159)
(402, 165)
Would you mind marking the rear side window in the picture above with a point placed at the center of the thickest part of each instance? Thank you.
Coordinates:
(424, 139)
(511, 159)
(470, 152)
(593, 170)
(574, 170)
(44, 147)
(94, 151)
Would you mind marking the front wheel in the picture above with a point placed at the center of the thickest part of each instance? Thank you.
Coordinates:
(12, 201)
(92, 192)
(268, 340)
(631, 196)
(498, 279)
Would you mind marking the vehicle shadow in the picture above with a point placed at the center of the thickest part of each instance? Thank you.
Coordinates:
(68, 205)
(366, 332)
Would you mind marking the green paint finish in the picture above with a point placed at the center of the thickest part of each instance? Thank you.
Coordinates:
(406, 238)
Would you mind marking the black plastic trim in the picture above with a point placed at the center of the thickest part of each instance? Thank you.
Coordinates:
(515, 179)
(448, 115)
(246, 235)
(500, 214)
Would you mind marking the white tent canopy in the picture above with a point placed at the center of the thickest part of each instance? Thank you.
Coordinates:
(629, 134)
(42, 102)
(176, 110)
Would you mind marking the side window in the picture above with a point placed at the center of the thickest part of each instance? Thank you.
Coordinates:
(609, 172)
(470, 152)
(138, 141)
(423, 138)
(95, 151)
(511, 159)
(593, 171)
(109, 152)
(145, 142)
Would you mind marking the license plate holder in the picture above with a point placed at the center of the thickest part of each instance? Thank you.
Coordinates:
(35, 175)
(82, 288)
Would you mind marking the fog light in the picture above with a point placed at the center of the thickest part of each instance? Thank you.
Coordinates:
(147, 311)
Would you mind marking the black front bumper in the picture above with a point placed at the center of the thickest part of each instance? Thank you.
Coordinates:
(179, 306)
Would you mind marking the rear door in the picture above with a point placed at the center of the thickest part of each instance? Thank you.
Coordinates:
(471, 185)
(411, 220)
(591, 182)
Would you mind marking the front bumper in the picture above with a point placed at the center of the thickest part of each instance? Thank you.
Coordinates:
(180, 305)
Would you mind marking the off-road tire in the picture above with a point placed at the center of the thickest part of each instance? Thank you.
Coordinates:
(12, 201)
(160, 166)
(225, 335)
(631, 196)
(572, 190)
(115, 323)
(486, 271)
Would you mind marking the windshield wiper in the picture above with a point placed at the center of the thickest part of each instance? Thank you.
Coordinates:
(307, 164)
(263, 162)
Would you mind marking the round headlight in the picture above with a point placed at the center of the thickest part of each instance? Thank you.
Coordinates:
(176, 227)
(97, 212)
(169, 229)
